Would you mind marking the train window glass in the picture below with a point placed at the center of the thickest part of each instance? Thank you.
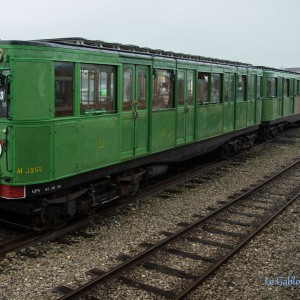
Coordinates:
(258, 87)
(286, 87)
(64, 89)
(127, 89)
(141, 88)
(241, 88)
(279, 81)
(97, 90)
(295, 87)
(203, 84)
(3, 91)
(231, 87)
(163, 90)
(251, 86)
(271, 87)
(180, 78)
(216, 88)
(190, 86)
(229, 84)
(226, 87)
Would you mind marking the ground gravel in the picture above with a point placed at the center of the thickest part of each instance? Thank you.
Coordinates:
(33, 273)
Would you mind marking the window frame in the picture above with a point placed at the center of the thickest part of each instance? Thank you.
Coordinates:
(272, 87)
(64, 88)
(159, 96)
(103, 76)
(286, 87)
(244, 90)
(220, 82)
(206, 90)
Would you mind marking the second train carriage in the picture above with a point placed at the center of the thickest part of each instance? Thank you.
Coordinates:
(281, 101)
(74, 112)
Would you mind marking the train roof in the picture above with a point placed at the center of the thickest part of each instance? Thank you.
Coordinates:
(279, 70)
(75, 42)
(78, 42)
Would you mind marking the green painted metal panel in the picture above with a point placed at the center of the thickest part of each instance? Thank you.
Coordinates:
(185, 124)
(127, 138)
(141, 132)
(251, 111)
(98, 142)
(163, 130)
(190, 124)
(164, 63)
(180, 126)
(241, 115)
(35, 52)
(209, 121)
(270, 109)
(288, 106)
(32, 154)
(65, 149)
(135, 135)
(258, 111)
(228, 116)
(34, 89)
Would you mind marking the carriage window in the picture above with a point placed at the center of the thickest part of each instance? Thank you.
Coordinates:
(251, 86)
(203, 83)
(127, 89)
(258, 87)
(216, 88)
(241, 88)
(181, 88)
(190, 86)
(279, 80)
(163, 90)
(97, 90)
(64, 89)
(141, 88)
(272, 87)
(229, 87)
(286, 87)
(3, 91)
(295, 87)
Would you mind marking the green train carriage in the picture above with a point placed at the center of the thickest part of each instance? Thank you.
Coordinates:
(76, 115)
(281, 101)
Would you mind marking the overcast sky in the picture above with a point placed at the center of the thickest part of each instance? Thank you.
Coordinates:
(260, 32)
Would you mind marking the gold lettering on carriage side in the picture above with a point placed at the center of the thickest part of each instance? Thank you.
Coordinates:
(100, 143)
(30, 170)
(164, 131)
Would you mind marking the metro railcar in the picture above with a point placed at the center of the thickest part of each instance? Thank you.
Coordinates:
(83, 122)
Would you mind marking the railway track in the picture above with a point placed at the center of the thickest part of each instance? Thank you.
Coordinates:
(259, 206)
